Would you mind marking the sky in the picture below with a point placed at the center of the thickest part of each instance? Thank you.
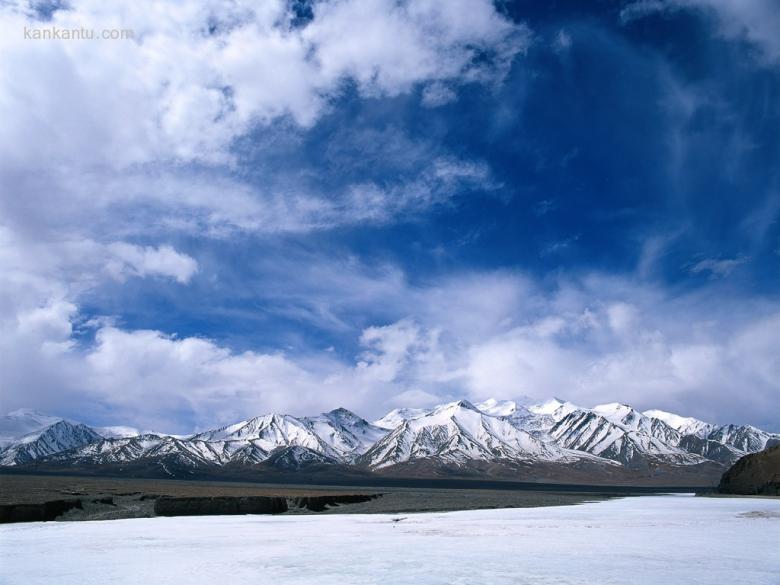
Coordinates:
(296, 205)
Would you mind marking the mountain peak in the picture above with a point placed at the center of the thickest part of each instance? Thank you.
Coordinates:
(551, 405)
(504, 408)
(343, 413)
(397, 416)
(454, 407)
(613, 408)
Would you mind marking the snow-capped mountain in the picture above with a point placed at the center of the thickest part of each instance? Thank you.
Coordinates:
(515, 413)
(456, 433)
(268, 432)
(725, 443)
(21, 422)
(60, 436)
(339, 435)
(553, 432)
(554, 408)
(745, 438)
(396, 417)
(685, 425)
(345, 432)
(547, 413)
(620, 433)
(296, 458)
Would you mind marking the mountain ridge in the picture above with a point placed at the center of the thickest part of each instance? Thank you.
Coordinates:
(494, 436)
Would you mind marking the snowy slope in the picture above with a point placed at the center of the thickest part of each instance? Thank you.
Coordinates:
(452, 434)
(555, 408)
(60, 436)
(685, 425)
(21, 422)
(269, 432)
(502, 408)
(186, 452)
(658, 540)
(745, 438)
(396, 417)
(345, 432)
(295, 458)
(456, 433)
(536, 418)
(620, 433)
(338, 434)
(725, 443)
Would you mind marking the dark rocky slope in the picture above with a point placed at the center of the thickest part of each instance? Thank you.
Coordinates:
(757, 473)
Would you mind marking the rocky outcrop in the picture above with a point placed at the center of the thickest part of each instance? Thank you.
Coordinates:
(320, 503)
(41, 512)
(708, 449)
(222, 505)
(757, 473)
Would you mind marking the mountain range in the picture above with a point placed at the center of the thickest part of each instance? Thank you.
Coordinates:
(503, 439)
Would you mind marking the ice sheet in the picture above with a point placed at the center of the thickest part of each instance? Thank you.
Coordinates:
(646, 540)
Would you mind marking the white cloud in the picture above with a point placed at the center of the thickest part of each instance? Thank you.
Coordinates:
(438, 94)
(718, 268)
(129, 260)
(194, 78)
(157, 378)
(756, 21)
(475, 335)
(137, 135)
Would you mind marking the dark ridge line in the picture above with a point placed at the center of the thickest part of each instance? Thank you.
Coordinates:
(394, 482)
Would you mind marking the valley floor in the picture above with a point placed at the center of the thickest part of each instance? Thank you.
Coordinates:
(646, 540)
(113, 498)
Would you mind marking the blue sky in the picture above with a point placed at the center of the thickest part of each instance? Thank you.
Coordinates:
(372, 204)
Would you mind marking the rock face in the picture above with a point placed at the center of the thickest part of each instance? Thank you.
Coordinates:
(757, 473)
(219, 506)
(60, 436)
(42, 512)
(320, 503)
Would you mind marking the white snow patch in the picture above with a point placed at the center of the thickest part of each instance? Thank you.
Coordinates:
(644, 540)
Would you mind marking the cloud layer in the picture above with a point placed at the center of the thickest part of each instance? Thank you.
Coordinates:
(474, 335)
(293, 206)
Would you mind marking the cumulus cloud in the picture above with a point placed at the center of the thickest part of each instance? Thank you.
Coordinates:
(139, 135)
(194, 78)
(475, 335)
(129, 260)
(91, 199)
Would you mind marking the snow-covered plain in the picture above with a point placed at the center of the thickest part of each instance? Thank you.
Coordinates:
(653, 539)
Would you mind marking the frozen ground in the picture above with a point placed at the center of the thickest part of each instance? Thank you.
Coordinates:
(660, 539)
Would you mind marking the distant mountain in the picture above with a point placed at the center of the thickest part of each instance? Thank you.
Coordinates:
(296, 458)
(347, 434)
(339, 435)
(396, 417)
(24, 421)
(60, 436)
(457, 433)
(554, 438)
(685, 425)
(620, 433)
